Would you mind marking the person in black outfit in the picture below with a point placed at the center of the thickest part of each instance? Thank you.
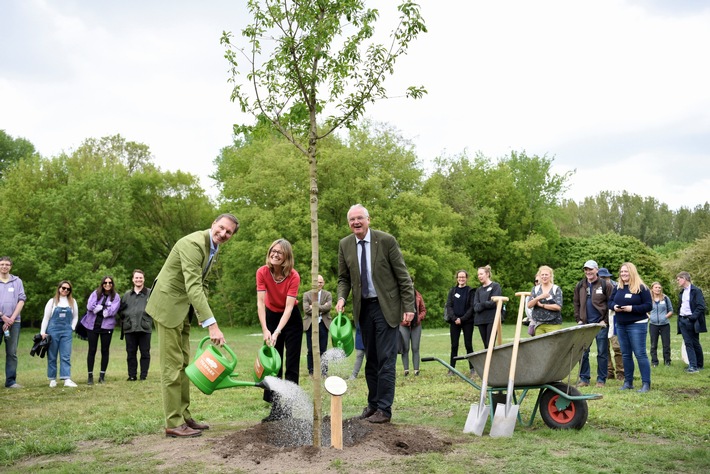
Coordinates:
(484, 309)
(459, 310)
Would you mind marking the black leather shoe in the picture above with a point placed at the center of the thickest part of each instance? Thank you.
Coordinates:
(379, 417)
(183, 431)
(195, 425)
(131, 379)
(367, 413)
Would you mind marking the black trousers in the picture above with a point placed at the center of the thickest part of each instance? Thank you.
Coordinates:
(485, 331)
(455, 333)
(93, 346)
(290, 341)
(322, 345)
(135, 341)
(381, 344)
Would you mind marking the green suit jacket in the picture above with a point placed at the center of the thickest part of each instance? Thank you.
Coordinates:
(181, 282)
(390, 276)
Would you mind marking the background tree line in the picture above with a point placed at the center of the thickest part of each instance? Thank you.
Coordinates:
(105, 208)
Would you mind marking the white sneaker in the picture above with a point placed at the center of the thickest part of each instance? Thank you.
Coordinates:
(69, 383)
(52, 383)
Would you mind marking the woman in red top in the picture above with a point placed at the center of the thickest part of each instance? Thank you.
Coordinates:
(276, 300)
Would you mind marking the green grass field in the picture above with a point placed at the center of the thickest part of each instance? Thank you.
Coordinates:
(666, 430)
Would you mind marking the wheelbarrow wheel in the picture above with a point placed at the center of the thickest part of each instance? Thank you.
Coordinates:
(560, 413)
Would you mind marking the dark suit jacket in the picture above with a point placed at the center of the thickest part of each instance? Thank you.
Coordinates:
(180, 283)
(326, 302)
(698, 308)
(390, 277)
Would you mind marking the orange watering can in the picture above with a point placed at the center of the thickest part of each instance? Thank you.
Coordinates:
(214, 370)
(341, 334)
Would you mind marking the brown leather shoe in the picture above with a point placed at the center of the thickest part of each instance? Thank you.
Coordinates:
(583, 384)
(601, 385)
(379, 417)
(367, 413)
(195, 425)
(183, 431)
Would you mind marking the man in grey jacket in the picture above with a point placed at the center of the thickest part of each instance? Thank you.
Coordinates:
(137, 326)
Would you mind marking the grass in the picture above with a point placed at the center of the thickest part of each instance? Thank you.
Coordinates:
(665, 430)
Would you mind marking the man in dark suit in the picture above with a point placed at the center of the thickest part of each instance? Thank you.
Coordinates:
(325, 302)
(371, 265)
(179, 294)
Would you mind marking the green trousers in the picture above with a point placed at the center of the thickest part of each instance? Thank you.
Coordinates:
(174, 349)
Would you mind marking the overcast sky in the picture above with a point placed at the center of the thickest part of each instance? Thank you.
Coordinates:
(616, 89)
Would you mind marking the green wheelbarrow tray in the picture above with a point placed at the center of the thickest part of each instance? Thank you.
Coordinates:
(543, 361)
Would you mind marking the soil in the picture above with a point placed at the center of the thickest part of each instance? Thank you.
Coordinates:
(276, 447)
(280, 447)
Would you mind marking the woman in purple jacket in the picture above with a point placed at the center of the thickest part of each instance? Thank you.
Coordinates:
(100, 320)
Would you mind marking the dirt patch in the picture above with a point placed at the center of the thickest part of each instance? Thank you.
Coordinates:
(276, 447)
(284, 446)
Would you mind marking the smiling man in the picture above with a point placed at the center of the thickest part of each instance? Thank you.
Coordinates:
(371, 265)
(591, 305)
(179, 294)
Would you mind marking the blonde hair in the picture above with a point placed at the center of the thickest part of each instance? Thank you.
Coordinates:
(635, 281)
(288, 262)
(486, 269)
(663, 295)
(549, 270)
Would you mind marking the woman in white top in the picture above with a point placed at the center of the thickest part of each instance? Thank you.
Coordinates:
(60, 317)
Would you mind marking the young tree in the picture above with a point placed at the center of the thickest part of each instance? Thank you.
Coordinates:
(321, 57)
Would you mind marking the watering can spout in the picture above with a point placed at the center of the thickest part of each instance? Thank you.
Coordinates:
(263, 384)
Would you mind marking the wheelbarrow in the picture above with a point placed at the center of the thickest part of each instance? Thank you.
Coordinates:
(543, 362)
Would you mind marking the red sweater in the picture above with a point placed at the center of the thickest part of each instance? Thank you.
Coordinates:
(276, 293)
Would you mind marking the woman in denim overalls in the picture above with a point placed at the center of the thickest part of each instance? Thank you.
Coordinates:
(60, 318)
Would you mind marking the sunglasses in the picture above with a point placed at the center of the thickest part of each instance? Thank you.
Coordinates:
(108, 283)
(64, 288)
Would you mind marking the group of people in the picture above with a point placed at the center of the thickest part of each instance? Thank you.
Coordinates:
(370, 265)
(628, 311)
(105, 309)
(466, 308)
(386, 309)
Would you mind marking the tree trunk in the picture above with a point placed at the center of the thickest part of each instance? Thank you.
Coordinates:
(315, 338)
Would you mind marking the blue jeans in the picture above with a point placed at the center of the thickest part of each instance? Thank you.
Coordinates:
(692, 343)
(60, 345)
(602, 338)
(632, 339)
(11, 354)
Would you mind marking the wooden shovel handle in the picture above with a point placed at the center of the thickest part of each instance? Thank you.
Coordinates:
(491, 342)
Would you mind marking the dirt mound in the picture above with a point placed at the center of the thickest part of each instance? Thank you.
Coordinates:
(285, 445)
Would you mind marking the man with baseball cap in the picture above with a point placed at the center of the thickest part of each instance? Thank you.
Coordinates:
(591, 297)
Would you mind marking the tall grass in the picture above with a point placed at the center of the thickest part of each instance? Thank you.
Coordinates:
(665, 430)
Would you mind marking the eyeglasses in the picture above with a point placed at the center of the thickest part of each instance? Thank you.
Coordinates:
(64, 288)
(108, 283)
(276, 252)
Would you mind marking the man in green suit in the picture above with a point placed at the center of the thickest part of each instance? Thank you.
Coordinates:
(371, 265)
(180, 293)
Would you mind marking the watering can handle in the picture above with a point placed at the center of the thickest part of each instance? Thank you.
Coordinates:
(200, 348)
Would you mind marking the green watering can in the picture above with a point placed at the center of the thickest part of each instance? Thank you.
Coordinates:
(213, 370)
(342, 334)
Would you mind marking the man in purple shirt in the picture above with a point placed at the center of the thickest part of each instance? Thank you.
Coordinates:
(12, 299)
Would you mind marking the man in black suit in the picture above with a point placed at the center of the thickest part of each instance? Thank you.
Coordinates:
(371, 265)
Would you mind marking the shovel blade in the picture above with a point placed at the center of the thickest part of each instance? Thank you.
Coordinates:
(476, 421)
(504, 421)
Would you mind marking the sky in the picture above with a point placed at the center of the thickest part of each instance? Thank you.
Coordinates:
(616, 90)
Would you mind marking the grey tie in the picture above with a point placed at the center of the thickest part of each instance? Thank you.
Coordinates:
(363, 271)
